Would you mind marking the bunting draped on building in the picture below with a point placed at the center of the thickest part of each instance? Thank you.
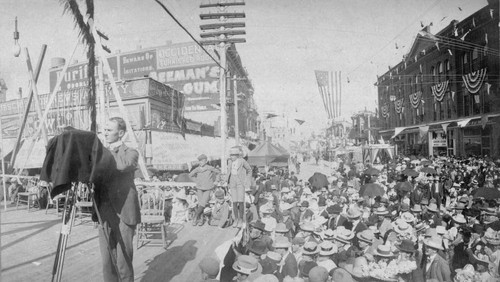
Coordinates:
(398, 105)
(439, 90)
(415, 99)
(330, 89)
(474, 80)
(385, 111)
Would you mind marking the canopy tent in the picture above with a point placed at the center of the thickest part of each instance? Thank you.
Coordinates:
(380, 151)
(268, 154)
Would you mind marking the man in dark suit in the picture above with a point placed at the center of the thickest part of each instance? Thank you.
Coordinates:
(118, 205)
(437, 191)
(288, 265)
(334, 217)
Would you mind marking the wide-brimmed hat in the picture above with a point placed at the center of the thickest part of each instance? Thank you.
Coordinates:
(281, 243)
(246, 265)
(434, 242)
(258, 225)
(281, 228)
(307, 226)
(382, 210)
(258, 247)
(402, 227)
(416, 208)
(432, 207)
(334, 209)
(234, 152)
(329, 234)
(366, 236)
(460, 219)
(406, 246)
(383, 251)
(343, 235)
(310, 248)
(408, 217)
(354, 212)
(327, 248)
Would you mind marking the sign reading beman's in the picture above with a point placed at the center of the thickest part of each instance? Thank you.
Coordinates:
(183, 66)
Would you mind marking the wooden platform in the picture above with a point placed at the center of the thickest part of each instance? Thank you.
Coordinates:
(29, 241)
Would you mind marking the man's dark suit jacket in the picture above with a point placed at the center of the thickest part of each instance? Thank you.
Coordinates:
(120, 191)
(342, 222)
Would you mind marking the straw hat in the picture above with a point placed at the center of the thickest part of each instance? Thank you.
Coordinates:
(366, 236)
(310, 248)
(353, 213)
(382, 210)
(383, 251)
(307, 226)
(344, 235)
(281, 243)
(434, 242)
(402, 227)
(246, 265)
(329, 234)
(408, 217)
(416, 208)
(234, 152)
(460, 219)
(432, 207)
(281, 228)
(440, 230)
(327, 248)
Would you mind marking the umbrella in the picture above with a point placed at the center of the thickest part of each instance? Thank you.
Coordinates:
(403, 186)
(425, 163)
(487, 193)
(371, 190)
(372, 171)
(410, 172)
(318, 181)
(428, 170)
(183, 177)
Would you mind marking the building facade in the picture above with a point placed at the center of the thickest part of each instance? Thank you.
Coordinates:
(443, 98)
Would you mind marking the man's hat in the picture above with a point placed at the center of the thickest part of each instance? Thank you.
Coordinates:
(246, 265)
(281, 228)
(334, 209)
(432, 207)
(310, 248)
(383, 251)
(329, 234)
(416, 208)
(210, 266)
(234, 152)
(258, 225)
(219, 194)
(258, 247)
(434, 242)
(382, 210)
(353, 213)
(406, 246)
(307, 226)
(327, 248)
(202, 157)
(344, 235)
(281, 243)
(366, 236)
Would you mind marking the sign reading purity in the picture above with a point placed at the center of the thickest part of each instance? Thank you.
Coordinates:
(183, 66)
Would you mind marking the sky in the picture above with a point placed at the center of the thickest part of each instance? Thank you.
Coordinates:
(286, 41)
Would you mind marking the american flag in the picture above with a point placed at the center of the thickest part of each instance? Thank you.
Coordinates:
(330, 89)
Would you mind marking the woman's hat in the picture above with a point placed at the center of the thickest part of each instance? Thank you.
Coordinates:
(383, 251)
(343, 235)
(246, 265)
(416, 208)
(353, 213)
(406, 246)
(310, 248)
(327, 248)
(434, 242)
(366, 236)
(234, 152)
(432, 207)
(382, 210)
(460, 219)
(408, 217)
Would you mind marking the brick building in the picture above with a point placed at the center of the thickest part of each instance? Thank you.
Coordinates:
(443, 98)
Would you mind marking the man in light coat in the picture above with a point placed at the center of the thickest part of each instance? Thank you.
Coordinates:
(238, 177)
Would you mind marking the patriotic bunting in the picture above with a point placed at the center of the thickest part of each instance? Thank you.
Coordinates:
(385, 111)
(415, 99)
(474, 80)
(439, 90)
(398, 105)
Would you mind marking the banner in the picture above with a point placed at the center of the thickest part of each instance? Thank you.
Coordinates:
(463, 122)
(397, 131)
(415, 99)
(422, 132)
(439, 90)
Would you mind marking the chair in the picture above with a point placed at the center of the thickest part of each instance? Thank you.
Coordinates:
(30, 196)
(56, 202)
(152, 223)
(83, 202)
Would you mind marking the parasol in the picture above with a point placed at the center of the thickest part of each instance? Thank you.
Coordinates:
(318, 181)
(372, 171)
(410, 172)
(487, 193)
(428, 170)
(403, 186)
(371, 190)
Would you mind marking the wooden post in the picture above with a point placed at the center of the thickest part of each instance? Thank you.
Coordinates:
(3, 167)
(109, 73)
(28, 105)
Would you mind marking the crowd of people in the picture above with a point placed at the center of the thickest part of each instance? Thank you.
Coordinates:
(411, 219)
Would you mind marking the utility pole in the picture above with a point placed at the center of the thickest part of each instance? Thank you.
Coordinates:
(222, 34)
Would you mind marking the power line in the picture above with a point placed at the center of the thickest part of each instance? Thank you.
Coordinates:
(190, 35)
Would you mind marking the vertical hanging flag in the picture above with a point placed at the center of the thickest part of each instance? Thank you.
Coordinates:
(322, 80)
(329, 85)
